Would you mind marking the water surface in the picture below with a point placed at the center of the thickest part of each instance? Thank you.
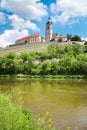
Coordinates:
(66, 100)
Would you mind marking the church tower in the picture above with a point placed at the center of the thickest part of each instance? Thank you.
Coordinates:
(48, 30)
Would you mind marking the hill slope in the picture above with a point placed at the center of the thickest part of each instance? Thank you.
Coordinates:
(38, 47)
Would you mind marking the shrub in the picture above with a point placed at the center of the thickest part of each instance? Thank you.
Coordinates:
(13, 117)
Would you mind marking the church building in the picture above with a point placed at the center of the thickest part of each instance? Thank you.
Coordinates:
(53, 36)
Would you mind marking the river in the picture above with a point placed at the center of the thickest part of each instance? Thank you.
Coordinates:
(66, 100)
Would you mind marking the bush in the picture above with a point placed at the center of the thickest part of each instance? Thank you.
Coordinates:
(85, 43)
(58, 59)
(13, 117)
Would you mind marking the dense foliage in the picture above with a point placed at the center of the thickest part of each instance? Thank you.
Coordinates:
(76, 38)
(73, 38)
(58, 60)
(13, 117)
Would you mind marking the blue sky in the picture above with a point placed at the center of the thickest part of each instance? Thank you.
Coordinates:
(20, 18)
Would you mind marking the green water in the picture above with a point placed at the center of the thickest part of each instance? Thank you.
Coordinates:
(66, 100)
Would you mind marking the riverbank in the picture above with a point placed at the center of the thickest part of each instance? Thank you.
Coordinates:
(45, 76)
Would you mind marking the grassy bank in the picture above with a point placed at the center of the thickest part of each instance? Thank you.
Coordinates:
(45, 76)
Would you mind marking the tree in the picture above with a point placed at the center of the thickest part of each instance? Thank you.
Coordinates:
(85, 43)
(55, 50)
(27, 67)
(44, 68)
(54, 67)
(68, 65)
(60, 39)
(24, 57)
(76, 38)
(69, 37)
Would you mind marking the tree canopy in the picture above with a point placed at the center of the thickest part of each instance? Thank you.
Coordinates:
(59, 59)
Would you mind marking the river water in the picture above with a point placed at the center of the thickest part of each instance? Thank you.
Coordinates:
(66, 100)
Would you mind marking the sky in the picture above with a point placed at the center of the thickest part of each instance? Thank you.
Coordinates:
(19, 18)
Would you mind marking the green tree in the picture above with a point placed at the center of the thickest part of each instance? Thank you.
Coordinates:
(76, 38)
(60, 39)
(68, 65)
(85, 43)
(55, 50)
(44, 68)
(69, 37)
(27, 67)
(54, 68)
(24, 57)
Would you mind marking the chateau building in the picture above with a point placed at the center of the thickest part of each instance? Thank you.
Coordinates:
(56, 36)
(37, 38)
(34, 38)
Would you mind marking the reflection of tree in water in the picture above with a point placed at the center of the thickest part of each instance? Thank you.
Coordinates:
(16, 87)
(10, 88)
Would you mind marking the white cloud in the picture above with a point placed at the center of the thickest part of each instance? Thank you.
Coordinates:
(9, 36)
(66, 11)
(84, 38)
(27, 9)
(20, 23)
(2, 18)
(23, 11)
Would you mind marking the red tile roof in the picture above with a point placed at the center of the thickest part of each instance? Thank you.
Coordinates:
(23, 38)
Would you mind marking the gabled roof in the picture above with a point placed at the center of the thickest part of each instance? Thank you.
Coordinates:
(30, 36)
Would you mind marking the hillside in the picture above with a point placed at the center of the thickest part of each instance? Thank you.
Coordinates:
(47, 60)
(38, 47)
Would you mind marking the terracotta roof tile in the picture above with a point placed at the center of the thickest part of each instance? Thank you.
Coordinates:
(30, 36)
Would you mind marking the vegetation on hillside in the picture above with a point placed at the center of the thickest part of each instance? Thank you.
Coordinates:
(58, 60)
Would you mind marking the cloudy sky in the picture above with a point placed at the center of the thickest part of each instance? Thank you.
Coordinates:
(20, 18)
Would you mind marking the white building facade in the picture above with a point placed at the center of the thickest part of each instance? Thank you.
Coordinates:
(34, 38)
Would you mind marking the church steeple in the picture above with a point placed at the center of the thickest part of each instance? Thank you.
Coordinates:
(49, 30)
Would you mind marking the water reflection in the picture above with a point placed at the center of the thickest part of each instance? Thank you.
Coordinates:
(66, 100)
